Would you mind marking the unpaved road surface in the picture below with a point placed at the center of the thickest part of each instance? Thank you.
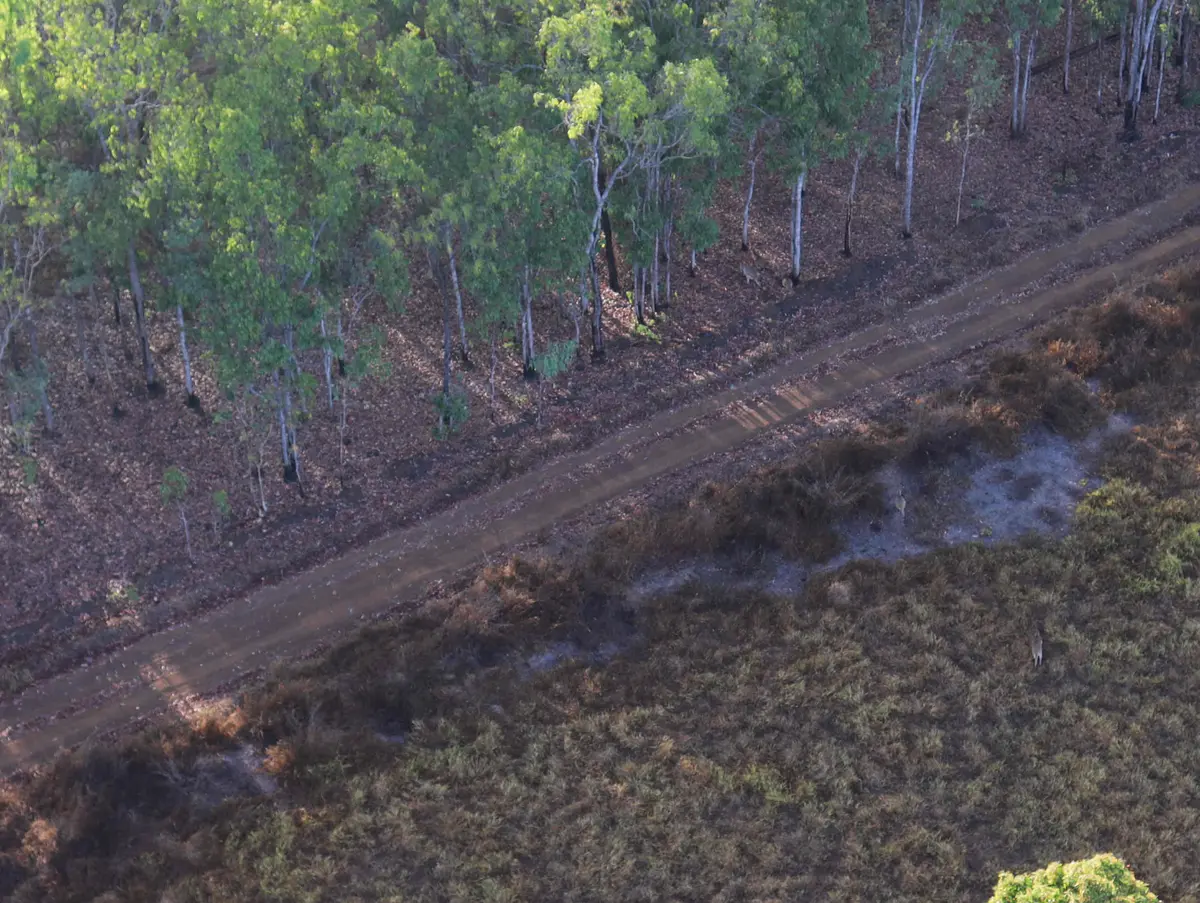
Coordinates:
(317, 606)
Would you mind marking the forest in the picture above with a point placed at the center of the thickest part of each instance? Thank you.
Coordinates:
(235, 209)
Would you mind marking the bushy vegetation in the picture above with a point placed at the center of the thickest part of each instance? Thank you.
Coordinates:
(1101, 879)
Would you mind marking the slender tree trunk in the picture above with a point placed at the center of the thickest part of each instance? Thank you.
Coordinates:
(798, 225)
(962, 175)
(910, 167)
(262, 490)
(1141, 39)
(639, 289)
(458, 300)
(192, 400)
(692, 269)
(846, 249)
(668, 232)
(916, 97)
(1100, 73)
(447, 346)
(327, 361)
(1162, 62)
(568, 309)
(527, 335)
(1183, 89)
(1029, 51)
(597, 313)
(1067, 50)
(495, 360)
(654, 278)
(1124, 53)
(610, 245)
(750, 191)
(900, 81)
(187, 533)
(139, 308)
(116, 296)
(341, 361)
(1014, 126)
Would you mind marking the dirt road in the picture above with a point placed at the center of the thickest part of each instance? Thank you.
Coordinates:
(317, 606)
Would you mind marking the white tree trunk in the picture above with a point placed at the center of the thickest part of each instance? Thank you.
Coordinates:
(750, 191)
(1162, 62)
(798, 224)
(962, 175)
(527, 338)
(327, 361)
(668, 232)
(1014, 128)
(1029, 51)
(183, 348)
(458, 299)
(139, 301)
(899, 91)
(858, 158)
(495, 359)
(187, 533)
(1124, 55)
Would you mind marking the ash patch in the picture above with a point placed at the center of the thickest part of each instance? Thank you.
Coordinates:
(215, 779)
(977, 498)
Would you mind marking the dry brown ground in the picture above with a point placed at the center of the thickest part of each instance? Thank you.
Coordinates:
(92, 559)
(880, 735)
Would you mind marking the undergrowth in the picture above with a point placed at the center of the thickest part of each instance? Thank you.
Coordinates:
(883, 735)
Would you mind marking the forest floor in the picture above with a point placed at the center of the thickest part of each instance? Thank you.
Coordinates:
(92, 560)
(782, 686)
(309, 610)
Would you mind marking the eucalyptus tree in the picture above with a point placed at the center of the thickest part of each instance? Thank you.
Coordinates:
(1102, 16)
(825, 90)
(279, 151)
(1143, 23)
(933, 35)
(529, 231)
(983, 86)
(1025, 19)
(745, 40)
(623, 110)
(119, 66)
(31, 200)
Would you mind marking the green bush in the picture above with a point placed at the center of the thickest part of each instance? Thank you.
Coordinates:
(1101, 879)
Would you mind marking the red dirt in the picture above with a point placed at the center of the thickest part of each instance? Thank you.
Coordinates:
(313, 608)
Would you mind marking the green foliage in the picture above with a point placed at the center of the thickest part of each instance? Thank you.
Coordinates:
(174, 487)
(643, 331)
(555, 359)
(452, 411)
(1101, 879)
(29, 472)
(221, 506)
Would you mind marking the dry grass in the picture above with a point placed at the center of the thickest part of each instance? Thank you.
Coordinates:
(883, 735)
